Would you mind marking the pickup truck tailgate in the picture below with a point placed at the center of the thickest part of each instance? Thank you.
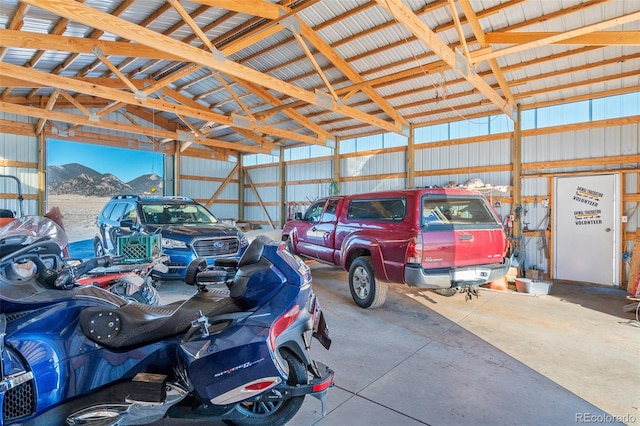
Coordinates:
(460, 231)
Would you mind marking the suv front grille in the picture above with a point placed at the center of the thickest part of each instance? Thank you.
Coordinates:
(216, 247)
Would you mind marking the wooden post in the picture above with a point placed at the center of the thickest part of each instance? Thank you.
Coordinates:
(283, 188)
(411, 167)
(240, 187)
(516, 159)
(176, 169)
(635, 263)
(42, 181)
(336, 166)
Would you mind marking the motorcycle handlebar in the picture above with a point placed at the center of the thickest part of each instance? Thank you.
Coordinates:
(67, 276)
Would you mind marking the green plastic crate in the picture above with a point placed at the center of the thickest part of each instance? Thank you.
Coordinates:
(139, 248)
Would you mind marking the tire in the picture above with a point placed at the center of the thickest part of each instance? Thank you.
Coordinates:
(279, 412)
(446, 292)
(98, 248)
(366, 291)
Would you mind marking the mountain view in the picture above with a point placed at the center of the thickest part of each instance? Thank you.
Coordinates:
(77, 179)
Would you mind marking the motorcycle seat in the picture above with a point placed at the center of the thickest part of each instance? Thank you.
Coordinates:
(136, 324)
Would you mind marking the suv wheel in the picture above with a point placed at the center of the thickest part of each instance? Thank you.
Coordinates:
(98, 248)
(366, 291)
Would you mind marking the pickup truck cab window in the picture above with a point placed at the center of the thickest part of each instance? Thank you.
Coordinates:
(329, 214)
(389, 209)
(457, 212)
(314, 212)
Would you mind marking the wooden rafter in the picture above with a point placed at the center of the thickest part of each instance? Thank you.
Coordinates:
(273, 11)
(596, 38)
(129, 98)
(493, 63)
(114, 125)
(483, 55)
(50, 103)
(407, 18)
(97, 19)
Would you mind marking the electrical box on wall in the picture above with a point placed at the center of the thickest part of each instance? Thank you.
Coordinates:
(624, 219)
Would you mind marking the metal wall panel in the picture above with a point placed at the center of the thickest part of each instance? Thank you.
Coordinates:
(22, 149)
(581, 144)
(309, 171)
(361, 186)
(268, 195)
(202, 189)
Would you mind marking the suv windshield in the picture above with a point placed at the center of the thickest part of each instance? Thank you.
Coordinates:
(170, 214)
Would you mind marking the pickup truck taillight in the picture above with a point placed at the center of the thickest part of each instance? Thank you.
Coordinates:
(414, 250)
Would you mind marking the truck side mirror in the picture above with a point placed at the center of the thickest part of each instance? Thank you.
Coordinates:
(297, 216)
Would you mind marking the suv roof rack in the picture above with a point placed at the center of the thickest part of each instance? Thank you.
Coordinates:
(122, 196)
(176, 197)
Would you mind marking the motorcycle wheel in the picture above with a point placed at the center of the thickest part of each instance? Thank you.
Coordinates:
(275, 413)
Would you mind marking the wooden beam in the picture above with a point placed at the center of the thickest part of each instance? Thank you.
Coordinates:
(121, 127)
(129, 98)
(255, 190)
(480, 36)
(214, 197)
(192, 24)
(16, 23)
(50, 103)
(103, 21)
(483, 55)
(406, 17)
(596, 38)
(259, 8)
(28, 40)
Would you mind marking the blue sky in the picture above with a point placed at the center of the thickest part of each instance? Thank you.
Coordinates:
(125, 164)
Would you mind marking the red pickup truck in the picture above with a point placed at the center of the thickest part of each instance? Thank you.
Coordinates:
(448, 240)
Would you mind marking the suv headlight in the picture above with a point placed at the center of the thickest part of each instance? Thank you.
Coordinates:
(244, 241)
(172, 244)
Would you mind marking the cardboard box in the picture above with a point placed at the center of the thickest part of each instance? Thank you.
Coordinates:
(512, 274)
(534, 274)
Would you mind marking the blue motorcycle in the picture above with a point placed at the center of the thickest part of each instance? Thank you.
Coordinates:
(85, 356)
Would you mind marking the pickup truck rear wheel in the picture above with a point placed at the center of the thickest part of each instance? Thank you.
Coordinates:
(366, 291)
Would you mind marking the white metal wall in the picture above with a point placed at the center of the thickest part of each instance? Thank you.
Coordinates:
(373, 166)
(19, 149)
(266, 181)
(202, 189)
(592, 143)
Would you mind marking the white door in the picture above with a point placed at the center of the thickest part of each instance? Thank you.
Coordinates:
(586, 229)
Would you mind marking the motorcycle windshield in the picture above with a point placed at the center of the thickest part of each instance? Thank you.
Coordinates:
(29, 229)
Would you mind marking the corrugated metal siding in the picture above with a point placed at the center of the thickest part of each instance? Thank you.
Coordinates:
(583, 144)
(22, 149)
(203, 189)
(358, 187)
(269, 195)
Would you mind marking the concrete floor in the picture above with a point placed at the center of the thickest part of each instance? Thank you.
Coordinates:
(505, 358)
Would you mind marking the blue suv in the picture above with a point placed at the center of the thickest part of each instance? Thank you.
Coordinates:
(188, 230)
